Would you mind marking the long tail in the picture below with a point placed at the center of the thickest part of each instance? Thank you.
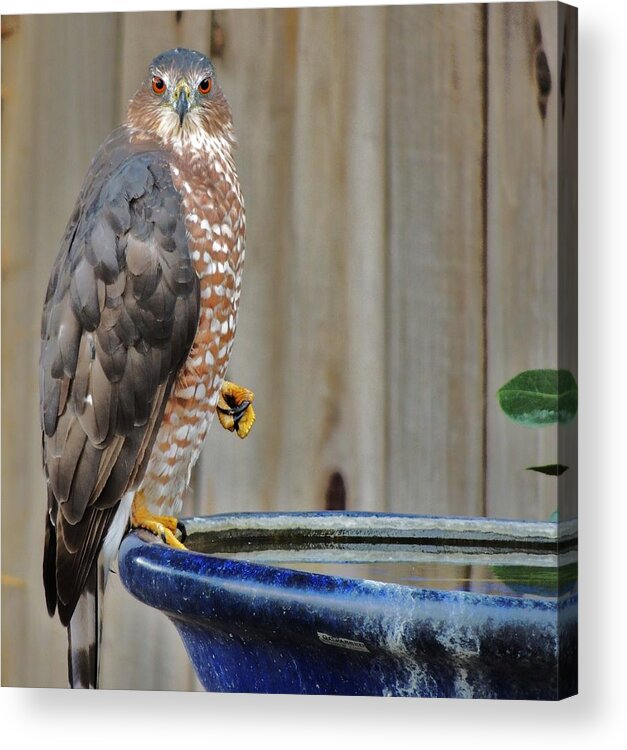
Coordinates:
(85, 632)
(85, 628)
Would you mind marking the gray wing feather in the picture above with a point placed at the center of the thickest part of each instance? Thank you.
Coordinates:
(120, 315)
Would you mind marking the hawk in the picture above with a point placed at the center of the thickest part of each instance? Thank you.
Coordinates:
(137, 330)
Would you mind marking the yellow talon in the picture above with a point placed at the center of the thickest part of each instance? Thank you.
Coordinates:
(235, 409)
(161, 526)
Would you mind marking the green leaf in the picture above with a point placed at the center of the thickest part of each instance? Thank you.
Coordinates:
(542, 581)
(539, 397)
(553, 470)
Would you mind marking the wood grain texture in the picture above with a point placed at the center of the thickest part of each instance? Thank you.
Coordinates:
(434, 376)
(364, 241)
(333, 401)
(257, 72)
(522, 246)
(312, 169)
(567, 244)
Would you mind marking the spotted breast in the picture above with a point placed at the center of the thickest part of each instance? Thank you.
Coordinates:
(215, 222)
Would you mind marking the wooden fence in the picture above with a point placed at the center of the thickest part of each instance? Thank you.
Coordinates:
(409, 176)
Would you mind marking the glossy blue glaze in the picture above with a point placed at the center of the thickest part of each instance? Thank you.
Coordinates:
(250, 627)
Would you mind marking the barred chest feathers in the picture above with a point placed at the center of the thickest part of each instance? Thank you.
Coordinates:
(215, 224)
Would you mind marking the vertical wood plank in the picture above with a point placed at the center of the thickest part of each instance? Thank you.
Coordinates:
(567, 244)
(311, 378)
(256, 70)
(311, 163)
(522, 245)
(141, 648)
(364, 243)
(49, 138)
(435, 385)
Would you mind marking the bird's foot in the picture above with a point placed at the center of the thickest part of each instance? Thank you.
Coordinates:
(235, 409)
(161, 526)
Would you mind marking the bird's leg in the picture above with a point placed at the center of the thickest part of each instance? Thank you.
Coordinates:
(161, 526)
(235, 409)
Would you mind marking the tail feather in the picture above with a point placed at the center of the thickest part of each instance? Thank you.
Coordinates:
(50, 566)
(85, 632)
(85, 620)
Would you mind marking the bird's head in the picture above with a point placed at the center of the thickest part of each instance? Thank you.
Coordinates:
(180, 100)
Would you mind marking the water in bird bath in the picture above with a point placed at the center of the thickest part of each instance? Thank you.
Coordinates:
(502, 559)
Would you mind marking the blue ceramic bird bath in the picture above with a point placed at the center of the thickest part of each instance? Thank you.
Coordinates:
(368, 604)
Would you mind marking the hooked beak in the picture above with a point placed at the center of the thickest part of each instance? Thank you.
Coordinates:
(182, 105)
(181, 102)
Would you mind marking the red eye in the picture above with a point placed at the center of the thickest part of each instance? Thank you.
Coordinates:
(205, 86)
(158, 85)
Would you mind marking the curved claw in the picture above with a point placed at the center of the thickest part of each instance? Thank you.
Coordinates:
(235, 410)
(180, 527)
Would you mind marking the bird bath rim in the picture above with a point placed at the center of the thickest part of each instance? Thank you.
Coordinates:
(252, 542)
